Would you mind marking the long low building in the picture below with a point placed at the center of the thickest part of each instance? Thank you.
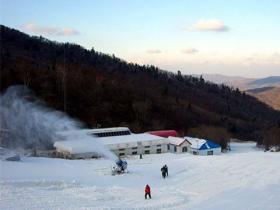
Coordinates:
(135, 144)
(87, 143)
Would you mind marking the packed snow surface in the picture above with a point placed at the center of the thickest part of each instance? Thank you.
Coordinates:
(245, 178)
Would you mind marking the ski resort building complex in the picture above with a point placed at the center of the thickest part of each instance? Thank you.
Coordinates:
(85, 143)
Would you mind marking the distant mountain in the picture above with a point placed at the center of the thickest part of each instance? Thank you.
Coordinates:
(243, 83)
(259, 90)
(233, 81)
(268, 81)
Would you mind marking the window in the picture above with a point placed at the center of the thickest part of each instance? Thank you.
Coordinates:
(147, 151)
(134, 152)
(134, 147)
(184, 149)
(175, 149)
(159, 145)
(121, 154)
(112, 133)
(158, 151)
(147, 146)
(168, 146)
(126, 133)
(121, 149)
(210, 152)
(195, 152)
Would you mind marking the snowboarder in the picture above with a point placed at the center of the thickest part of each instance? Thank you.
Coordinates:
(166, 169)
(163, 172)
(147, 191)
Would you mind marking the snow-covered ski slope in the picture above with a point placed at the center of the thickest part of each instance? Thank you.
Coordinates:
(246, 178)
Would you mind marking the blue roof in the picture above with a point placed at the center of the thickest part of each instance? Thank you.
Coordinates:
(209, 145)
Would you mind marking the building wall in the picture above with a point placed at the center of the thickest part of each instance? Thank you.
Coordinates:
(179, 149)
(141, 149)
(216, 151)
(67, 155)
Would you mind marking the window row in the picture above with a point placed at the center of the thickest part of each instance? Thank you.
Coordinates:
(114, 133)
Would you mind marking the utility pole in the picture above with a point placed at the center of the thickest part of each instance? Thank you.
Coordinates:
(64, 83)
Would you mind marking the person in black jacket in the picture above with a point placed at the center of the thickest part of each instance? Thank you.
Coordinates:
(166, 169)
(163, 172)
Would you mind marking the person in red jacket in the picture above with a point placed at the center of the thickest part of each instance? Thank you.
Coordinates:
(147, 191)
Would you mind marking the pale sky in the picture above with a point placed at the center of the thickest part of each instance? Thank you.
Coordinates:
(239, 37)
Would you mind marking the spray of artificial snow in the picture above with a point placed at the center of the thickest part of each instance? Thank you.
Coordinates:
(26, 123)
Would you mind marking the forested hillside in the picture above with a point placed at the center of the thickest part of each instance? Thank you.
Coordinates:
(103, 90)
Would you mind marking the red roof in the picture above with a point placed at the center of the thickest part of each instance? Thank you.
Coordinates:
(164, 133)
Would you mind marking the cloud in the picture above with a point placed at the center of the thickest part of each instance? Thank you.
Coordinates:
(260, 59)
(49, 30)
(191, 51)
(210, 25)
(154, 51)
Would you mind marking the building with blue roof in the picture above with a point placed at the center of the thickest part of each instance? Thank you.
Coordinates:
(203, 147)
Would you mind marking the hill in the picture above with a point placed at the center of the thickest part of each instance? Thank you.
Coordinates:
(103, 90)
(265, 89)
(269, 95)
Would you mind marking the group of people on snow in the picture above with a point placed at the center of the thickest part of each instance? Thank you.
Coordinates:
(164, 171)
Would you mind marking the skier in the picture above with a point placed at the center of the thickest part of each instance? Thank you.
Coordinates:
(147, 191)
(166, 169)
(163, 172)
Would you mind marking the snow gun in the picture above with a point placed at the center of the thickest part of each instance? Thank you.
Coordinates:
(120, 167)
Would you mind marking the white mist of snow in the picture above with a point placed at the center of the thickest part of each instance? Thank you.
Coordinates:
(27, 123)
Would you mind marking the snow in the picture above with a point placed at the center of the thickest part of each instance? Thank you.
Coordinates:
(131, 139)
(78, 146)
(175, 140)
(245, 178)
(195, 142)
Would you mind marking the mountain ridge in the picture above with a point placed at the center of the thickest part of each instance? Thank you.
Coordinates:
(102, 90)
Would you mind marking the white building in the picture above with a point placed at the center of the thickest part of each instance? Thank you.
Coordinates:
(178, 145)
(85, 143)
(203, 147)
(136, 144)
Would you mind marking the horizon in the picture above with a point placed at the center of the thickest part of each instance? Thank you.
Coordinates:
(226, 38)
